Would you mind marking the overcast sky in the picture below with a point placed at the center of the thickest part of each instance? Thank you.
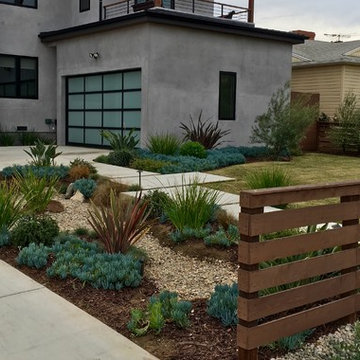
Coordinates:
(320, 16)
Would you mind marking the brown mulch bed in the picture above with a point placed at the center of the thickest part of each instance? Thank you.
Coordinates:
(205, 339)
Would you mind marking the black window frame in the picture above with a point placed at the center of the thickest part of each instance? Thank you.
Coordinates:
(18, 3)
(84, 5)
(233, 97)
(18, 79)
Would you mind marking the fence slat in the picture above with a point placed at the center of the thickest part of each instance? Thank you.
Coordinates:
(250, 338)
(252, 281)
(252, 253)
(290, 194)
(253, 225)
(254, 309)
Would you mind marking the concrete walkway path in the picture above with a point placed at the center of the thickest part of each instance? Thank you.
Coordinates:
(37, 324)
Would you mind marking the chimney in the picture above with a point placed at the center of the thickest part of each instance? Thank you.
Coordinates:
(311, 35)
(251, 7)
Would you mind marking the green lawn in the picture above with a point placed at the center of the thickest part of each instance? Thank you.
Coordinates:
(310, 168)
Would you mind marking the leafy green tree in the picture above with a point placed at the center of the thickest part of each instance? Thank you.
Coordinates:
(283, 125)
(347, 133)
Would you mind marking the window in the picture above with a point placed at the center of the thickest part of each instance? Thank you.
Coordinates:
(84, 5)
(25, 3)
(18, 77)
(227, 95)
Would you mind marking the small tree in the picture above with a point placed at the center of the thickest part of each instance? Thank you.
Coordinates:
(283, 125)
(348, 132)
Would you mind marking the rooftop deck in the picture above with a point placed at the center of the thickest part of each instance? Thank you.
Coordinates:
(200, 7)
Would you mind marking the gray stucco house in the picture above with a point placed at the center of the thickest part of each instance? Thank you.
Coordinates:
(77, 66)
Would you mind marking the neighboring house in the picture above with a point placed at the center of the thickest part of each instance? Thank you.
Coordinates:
(331, 69)
(88, 65)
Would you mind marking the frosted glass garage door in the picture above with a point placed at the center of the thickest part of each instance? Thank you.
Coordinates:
(107, 101)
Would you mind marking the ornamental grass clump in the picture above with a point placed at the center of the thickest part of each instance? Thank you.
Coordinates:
(36, 191)
(268, 178)
(11, 206)
(191, 206)
(166, 144)
(121, 225)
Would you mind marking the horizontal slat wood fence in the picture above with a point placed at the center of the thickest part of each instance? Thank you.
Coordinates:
(324, 284)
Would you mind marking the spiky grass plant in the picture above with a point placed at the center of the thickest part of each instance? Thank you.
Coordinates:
(11, 205)
(268, 178)
(166, 144)
(121, 225)
(191, 206)
(37, 191)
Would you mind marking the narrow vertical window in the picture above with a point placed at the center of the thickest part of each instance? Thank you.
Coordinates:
(227, 95)
(84, 5)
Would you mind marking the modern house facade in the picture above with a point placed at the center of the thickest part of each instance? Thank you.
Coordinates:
(330, 69)
(81, 66)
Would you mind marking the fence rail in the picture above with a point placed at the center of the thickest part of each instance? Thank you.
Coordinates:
(201, 7)
(320, 287)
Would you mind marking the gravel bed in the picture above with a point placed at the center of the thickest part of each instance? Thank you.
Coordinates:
(325, 348)
(191, 278)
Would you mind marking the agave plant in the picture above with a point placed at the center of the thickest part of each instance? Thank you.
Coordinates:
(120, 142)
(43, 155)
(204, 132)
(121, 225)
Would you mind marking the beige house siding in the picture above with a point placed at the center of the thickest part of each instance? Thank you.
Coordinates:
(352, 80)
(324, 80)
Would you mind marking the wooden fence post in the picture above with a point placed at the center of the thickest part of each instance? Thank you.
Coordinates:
(352, 317)
(252, 354)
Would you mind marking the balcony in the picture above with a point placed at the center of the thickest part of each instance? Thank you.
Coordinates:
(199, 7)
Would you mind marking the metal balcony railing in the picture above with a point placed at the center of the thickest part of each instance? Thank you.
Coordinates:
(200, 7)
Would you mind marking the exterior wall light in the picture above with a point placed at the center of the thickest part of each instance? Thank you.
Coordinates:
(94, 55)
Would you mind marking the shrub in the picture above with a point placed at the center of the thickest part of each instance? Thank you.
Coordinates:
(29, 138)
(37, 192)
(39, 171)
(120, 142)
(6, 139)
(191, 206)
(102, 159)
(81, 231)
(156, 200)
(121, 225)
(283, 125)
(82, 162)
(223, 238)
(223, 304)
(188, 233)
(347, 134)
(193, 148)
(34, 255)
(4, 236)
(86, 187)
(292, 342)
(166, 144)
(78, 172)
(206, 133)
(215, 159)
(34, 229)
(268, 178)
(148, 164)
(11, 206)
(43, 155)
(101, 194)
(134, 187)
(347, 349)
(224, 219)
(161, 309)
(121, 157)
(86, 261)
